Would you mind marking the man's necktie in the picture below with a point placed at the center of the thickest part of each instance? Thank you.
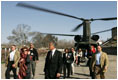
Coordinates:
(50, 54)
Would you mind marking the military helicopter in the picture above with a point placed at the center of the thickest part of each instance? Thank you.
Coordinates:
(94, 35)
(82, 41)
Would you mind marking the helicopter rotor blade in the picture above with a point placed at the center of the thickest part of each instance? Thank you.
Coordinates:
(101, 31)
(105, 19)
(58, 34)
(75, 29)
(46, 10)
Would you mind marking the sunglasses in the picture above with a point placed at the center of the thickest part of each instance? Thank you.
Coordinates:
(25, 50)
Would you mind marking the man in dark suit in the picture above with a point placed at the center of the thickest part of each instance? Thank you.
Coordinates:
(53, 63)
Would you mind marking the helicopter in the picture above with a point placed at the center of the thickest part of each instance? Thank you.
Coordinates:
(93, 37)
(82, 41)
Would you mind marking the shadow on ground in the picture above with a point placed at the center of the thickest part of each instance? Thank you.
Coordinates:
(82, 74)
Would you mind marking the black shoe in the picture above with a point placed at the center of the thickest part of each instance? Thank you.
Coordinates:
(68, 76)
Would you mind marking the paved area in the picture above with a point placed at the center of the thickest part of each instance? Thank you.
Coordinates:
(81, 72)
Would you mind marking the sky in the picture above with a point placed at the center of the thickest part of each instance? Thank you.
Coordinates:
(11, 16)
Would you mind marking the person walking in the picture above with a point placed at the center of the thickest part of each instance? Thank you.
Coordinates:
(34, 59)
(53, 63)
(65, 62)
(24, 64)
(70, 59)
(91, 51)
(99, 63)
(79, 56)
(12, 62)
(72, 65)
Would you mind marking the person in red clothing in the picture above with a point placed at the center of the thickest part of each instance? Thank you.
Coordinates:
(24, 64)
(91, 51)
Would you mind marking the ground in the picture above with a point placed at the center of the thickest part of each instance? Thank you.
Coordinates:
(81, 72)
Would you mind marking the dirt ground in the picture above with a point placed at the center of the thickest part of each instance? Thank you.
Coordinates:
(81, 72)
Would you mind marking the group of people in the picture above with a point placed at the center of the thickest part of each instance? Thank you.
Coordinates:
(55, 62)
(69, 58)
(25, 59)
(97, 62)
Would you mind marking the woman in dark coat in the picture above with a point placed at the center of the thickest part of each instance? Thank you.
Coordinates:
(65, 62)
(70, 59)
(24, 64)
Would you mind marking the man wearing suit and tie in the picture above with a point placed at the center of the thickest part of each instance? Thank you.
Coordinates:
(12, 62)
(53, 63)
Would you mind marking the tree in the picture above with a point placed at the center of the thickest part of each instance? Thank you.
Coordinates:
(40, 40)
(37, 39)
(20, 35)
(49, 38)
(65, 44)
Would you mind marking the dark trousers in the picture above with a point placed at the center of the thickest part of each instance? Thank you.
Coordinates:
(78, 60)
(90, 70)
(68, 69)
(91, 73)
(89, 60)
(64, 69)
(50, 76)
(28, 76)
(28, 73)
(8, 70)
